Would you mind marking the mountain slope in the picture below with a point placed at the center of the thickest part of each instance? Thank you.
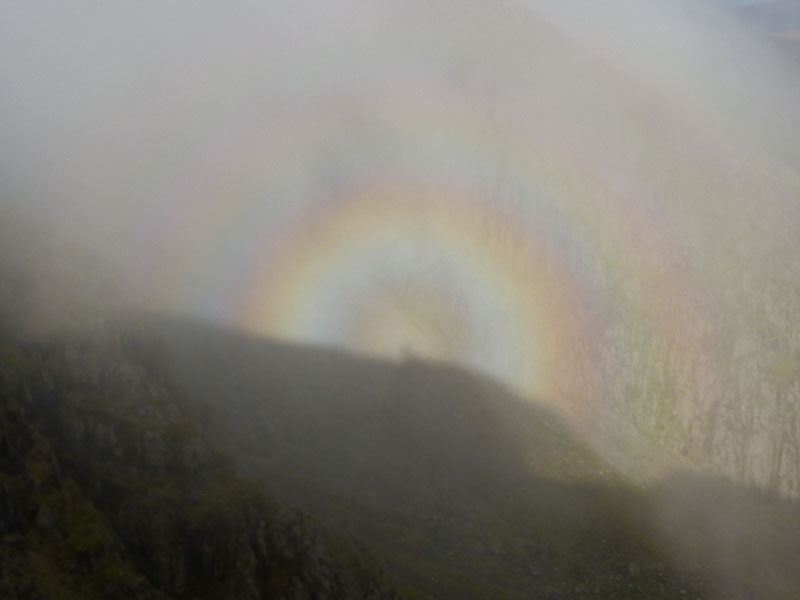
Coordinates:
(108, 491)
(456, 485)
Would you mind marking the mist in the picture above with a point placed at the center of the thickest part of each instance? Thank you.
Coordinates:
(595, 203)
(507, 292)
(107, 111)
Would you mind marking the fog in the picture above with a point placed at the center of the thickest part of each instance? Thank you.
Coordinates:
(594, 202)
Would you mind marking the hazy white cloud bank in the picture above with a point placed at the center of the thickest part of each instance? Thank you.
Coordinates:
(182, 140)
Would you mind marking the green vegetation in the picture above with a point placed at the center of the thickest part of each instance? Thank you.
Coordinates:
(223, 500)
(14, 360)
(86, 530)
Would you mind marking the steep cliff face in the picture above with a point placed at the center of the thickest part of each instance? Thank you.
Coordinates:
(54, 542)
(108, 491)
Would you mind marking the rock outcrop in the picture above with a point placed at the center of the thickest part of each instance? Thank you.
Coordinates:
(108, 491)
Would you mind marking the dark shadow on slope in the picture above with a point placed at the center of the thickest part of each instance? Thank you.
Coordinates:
(356, 420)
(459, 487)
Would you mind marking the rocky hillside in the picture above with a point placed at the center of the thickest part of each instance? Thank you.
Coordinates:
(107, 490)
(459, 487)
